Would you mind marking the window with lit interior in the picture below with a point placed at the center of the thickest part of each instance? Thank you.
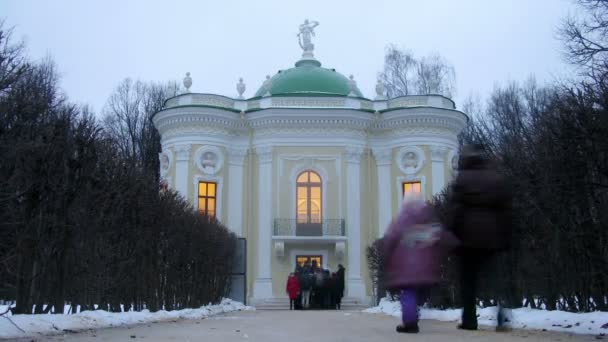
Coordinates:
(308, 197)
(207, 198)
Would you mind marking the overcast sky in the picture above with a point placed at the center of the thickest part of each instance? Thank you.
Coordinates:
(96, 44)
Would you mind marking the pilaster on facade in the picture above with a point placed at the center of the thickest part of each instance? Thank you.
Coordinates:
(264, 154)
(354, 154)
(438, 156)
(182, 163)
(182, 152)
(383, 157)
(356, 287)
(235, 188)
(263, 283)
(237, 155)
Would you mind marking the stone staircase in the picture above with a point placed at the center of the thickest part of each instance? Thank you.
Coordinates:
(348, 304)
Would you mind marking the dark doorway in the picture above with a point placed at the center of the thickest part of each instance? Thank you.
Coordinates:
(238, 285)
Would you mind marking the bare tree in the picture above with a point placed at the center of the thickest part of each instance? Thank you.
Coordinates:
(399, 71)
(128, 119)
(434, 75)
(81, 217)
(12, 59)
(403, 74)
(585, 36)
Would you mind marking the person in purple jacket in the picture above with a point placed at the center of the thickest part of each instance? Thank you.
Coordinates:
(413, 248)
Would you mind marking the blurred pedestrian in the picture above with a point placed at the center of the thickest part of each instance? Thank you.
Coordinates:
(413, 248)
(480, 216)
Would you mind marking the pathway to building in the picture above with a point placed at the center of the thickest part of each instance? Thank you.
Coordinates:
(296, 326)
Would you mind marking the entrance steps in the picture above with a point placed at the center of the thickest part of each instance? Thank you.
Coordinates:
(348, 304)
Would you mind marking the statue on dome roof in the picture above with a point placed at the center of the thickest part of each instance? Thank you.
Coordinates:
(305, 35)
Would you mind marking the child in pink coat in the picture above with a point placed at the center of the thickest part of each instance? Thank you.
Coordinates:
(414, 246)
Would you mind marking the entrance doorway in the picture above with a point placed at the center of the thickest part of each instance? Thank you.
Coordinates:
(302, 260)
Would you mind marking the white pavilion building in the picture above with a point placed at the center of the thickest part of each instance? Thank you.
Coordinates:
(308, 168)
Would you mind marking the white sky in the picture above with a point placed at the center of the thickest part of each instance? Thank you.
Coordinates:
(96, 44)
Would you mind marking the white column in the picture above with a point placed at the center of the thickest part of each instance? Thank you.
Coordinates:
(263, 283)
(355, 286)
(182, 163)
(383, 165)
(235, 190)
(438, 154)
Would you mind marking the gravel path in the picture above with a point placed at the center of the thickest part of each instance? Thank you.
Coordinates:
(300, 326)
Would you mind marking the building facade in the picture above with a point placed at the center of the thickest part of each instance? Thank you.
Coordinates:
(308, 168)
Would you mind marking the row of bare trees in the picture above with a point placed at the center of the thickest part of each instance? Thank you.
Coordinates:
(82, 220)
(552, 143)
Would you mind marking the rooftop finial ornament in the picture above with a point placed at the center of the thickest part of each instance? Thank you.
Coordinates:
(187, 82)
(380, 89)
(240, 87)
(352, 85)
(304, 38)
(267, 86)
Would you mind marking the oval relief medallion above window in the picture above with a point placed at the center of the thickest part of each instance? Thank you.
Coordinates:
(166, 159)
(454, 160)
(209, 159)
(410, 159)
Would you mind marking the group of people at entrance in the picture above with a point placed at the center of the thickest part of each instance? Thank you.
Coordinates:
(477, 227)
(311, 286)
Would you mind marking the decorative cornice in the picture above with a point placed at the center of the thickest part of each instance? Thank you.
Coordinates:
(309, 131)
(223, 126)
(420, 119)
(315, 122)
(410, 131)
(300, 102)
(214, 117)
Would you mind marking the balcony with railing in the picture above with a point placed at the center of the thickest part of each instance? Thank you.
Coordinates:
(294, 231)
(292, 227)
(326, 230)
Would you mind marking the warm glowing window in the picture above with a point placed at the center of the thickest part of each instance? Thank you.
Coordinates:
(411, 187)
(207, 198)
(308, 196)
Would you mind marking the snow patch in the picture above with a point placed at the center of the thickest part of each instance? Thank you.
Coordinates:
(523, 318)
(44, 324)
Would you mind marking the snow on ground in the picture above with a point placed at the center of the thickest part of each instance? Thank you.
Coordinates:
(524, 318)
(43, 324)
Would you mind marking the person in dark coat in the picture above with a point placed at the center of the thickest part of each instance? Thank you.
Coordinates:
(480, 216)
(326, 291)
(306, 285)
(298, 302)
(340, 285)
(334, 291)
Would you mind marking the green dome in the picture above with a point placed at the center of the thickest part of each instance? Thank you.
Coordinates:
(308, 78)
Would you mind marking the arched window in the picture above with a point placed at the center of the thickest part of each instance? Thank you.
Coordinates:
(308, 197)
